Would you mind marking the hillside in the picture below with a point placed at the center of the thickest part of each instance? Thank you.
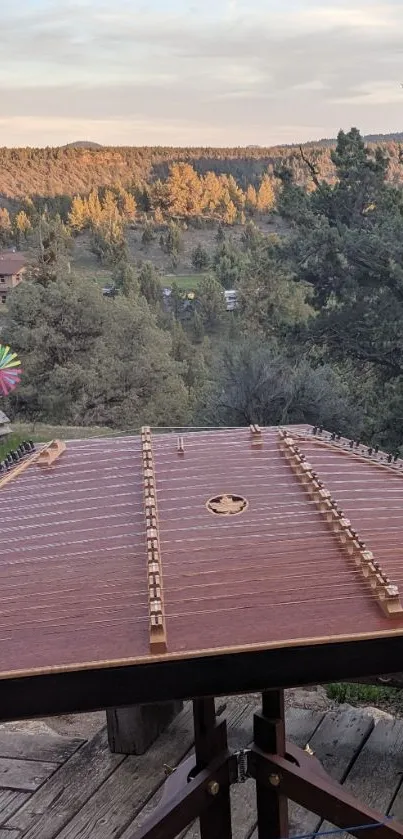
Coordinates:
(79, 167)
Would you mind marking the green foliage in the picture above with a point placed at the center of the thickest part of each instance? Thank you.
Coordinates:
(52, 250)
(125, 279)
(172, 243)
(108, 244)
(211, 304)
(176, 300)
(150, 284)
(220, 235)
(255, 383)
(348, 246)
(200, 258)
(5, 227)
(229, 265)
(90, 361)
(271, 302)
(148, 235)
(367, 694)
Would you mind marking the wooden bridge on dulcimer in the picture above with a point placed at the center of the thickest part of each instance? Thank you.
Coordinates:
(54, 787)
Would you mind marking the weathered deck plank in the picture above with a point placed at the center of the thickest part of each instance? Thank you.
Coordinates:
(123, 796)
(43, 747)
(376, 775)
(125, 792)
(97, 795)
(25, 775)
(44, 815)
(9, 834)
(10, 802)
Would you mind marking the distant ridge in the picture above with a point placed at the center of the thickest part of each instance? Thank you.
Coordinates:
(82, 144)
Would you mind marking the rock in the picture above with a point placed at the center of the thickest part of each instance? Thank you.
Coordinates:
(28, 727)
(316, 699)
(376, 713)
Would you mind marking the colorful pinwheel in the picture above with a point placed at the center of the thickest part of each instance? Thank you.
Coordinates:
(10, 370)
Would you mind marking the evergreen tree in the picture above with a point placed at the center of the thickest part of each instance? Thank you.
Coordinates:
(251, 199)
(200, 258)
(22, 226)
(148, 235)
(176, 300)
(5, 227)
(348, 245)
(150, 284)
(211, 301)
(172, 243)
(127, 205)
(184, 191)
(220, 235)
(125, 279)
(89, 363)
(78, 215)
(229, 265)
(265, 196)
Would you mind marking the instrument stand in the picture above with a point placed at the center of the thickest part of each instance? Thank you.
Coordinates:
(200, 786)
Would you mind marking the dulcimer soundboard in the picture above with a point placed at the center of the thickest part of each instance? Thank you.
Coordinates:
(198, 546)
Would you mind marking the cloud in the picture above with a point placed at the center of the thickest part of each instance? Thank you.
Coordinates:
(214, 69)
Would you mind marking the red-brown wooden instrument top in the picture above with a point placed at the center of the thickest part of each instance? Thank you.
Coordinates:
(73, 558)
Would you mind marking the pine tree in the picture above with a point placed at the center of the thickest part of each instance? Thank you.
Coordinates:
(212, 194)
(265, 196)
(211, 301)
(220, 235)
(94, 209)
(78, 215)
(150, 284)
(22, 226)
(126, 280)
(158, 216)
(251, 199)
(148, 235)
(172, 243)
(5, 227)
(184, 191)
(127, 205)
(230, 213)
(200, 258)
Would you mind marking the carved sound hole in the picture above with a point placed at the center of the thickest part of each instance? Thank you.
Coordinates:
(227, 505)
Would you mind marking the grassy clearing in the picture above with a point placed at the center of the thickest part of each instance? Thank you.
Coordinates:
(101, 276)
(42, 433)
(185, 282)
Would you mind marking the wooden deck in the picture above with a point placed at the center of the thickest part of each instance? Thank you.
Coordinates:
(75, 789)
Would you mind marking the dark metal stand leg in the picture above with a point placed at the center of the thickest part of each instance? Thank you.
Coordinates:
(199, 787)
(269, 736)
(211, 741)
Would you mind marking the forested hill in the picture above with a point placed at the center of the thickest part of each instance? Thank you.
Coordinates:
(71, 170)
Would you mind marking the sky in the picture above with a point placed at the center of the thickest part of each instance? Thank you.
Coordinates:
(198, 72)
